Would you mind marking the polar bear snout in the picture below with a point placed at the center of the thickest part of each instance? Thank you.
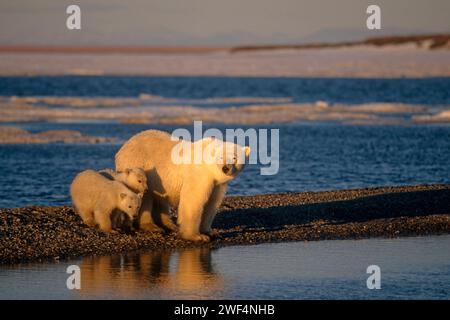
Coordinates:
(232, 169)
(144, 185)
(228, 169)
(131, 203)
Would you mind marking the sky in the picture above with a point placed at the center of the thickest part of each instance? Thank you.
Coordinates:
(213, 22)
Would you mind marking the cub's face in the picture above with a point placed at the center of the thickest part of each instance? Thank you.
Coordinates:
(137, 180)
(130, 203)
(230, 160)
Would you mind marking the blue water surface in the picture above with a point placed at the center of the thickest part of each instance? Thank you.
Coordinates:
(313, 156)
(430, 91)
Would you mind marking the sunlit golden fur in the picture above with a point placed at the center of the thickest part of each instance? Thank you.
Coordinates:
(188, 273)
(194, 189)
(94, 197)
(134, 178)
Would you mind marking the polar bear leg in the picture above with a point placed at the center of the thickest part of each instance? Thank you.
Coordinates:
(190, 209)
(120, 220)
(117, 219)
(85, 214)
(146, 222)
(87, 217)
(103, 219)
(161, 215)
(209, 213)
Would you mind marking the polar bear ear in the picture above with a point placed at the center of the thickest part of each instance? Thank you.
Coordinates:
(123, 196)
(209, 146)
(208, 139)
(247, 151)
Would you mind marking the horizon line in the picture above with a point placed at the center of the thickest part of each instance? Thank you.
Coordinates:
(438, 40)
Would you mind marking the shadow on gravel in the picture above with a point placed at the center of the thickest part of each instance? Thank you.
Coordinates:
(389, 205)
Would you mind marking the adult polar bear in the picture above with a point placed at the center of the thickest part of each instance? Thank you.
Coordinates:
(195, 187)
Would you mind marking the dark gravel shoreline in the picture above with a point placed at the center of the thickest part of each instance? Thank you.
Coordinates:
(46, 233)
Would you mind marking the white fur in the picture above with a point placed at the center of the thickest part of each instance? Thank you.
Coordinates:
(134, 178)
(196, 190)
(94, 197)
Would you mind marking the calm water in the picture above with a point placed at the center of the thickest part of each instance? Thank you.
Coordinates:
(411, 268)
(312, 157)
(432, 91)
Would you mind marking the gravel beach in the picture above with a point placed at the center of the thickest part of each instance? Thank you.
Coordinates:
(40, 233)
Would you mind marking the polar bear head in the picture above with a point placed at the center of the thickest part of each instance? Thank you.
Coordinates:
(135, 179)
(224, 159)
(130, 203)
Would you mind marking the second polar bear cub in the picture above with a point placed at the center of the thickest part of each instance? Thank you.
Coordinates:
(133, 178)
(196, 189)
(96, 197)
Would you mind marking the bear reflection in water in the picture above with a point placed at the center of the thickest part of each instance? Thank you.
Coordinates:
(186, 271)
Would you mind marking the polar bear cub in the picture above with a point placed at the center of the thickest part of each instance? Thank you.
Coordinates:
(195, 189)
(134, 178)
(94, 198)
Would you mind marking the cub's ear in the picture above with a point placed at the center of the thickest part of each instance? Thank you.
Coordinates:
(247, 151)
(123, 195)
(140, 195)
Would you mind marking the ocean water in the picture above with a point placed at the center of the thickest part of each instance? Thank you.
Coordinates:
(410, 268)
(313, 155)
(430, 91)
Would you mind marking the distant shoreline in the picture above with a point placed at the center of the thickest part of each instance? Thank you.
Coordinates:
(435, 41)
(40, 233)
(109, 49)
(397, 57)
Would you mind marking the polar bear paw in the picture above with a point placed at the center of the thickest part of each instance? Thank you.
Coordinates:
(170, 226)
(150, 227)
(212, 233)
(195, 237)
